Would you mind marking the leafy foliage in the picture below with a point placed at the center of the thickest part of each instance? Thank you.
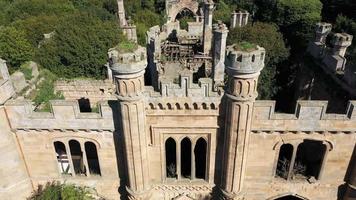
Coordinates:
(79, 46)
(14, 46)
(269, 37)
(58, 191)
(347, 25)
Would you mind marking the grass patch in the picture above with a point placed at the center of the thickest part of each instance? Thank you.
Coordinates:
(27, 71)
(126, 47)
(45, 92)
(245, 46)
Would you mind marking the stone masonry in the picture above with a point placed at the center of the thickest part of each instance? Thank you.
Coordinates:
(196, 132)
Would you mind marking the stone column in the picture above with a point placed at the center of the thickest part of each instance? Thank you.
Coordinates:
(220, 35)
(128, 74)
(243, 69)
(208, 25)
(121, 13)
(351, 185)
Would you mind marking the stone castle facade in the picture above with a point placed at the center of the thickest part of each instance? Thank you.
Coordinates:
(197, 132)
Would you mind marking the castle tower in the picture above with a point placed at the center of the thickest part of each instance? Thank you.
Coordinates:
(322, 30)
(121, 13)
(220, 35)
(208, 25)
(239, 19)
(341, 42)
(128, 71)
(243, 69)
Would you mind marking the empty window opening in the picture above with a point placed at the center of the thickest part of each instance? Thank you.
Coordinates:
(310, 155)
(84, 105)
(92, 157)
(77, 157)
(185, 16)
(186, 150)
(253, 58)
(171, 158)
(62, 158)
(200, 158)
(284, 160)
(290, 197)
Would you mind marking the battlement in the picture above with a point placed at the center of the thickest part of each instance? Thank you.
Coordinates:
(245, 61)
(342, 40)
(323, 28)
(185, 88)
(308, 116)
(65, 115)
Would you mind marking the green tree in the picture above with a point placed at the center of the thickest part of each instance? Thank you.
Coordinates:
(347, 25)
(297, 19)
(79, 46)
(14, 47)
(269, 37)
(57, 191)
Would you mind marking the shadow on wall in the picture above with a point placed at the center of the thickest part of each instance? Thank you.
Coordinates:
(342, 188)
(119, 148)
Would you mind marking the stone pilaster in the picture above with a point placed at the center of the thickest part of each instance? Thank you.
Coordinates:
(208, 25)
(220, 35)
(128, 70)
(243, 69)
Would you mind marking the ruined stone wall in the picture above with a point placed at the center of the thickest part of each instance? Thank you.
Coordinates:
(38, 131)
(270, 130)
(94, 90)
(15, 182)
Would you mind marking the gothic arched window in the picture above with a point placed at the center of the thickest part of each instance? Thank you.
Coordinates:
(92, 157)
(171, 158)
(200, 158)
(186, 157)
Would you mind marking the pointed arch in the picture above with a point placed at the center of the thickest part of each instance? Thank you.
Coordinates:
(171, 158)
(186, 157)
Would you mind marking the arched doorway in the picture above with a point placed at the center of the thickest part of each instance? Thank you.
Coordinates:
(185, 16)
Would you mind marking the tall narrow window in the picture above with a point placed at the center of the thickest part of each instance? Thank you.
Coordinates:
(309, 159)
(186, 157)
(200, 158)
(171, 158)
(284, 160)
(62, 158)
(77, 157)
(92, 157)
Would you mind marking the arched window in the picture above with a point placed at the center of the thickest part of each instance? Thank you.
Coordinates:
(310, 156)
(92, 157)
(186, 158)
(171, 158)
(77, 157)
(62, 158)
(200, 158)
(284, 160)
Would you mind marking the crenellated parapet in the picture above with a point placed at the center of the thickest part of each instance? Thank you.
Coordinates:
(308, 116)
(64, 115)
(239, 18)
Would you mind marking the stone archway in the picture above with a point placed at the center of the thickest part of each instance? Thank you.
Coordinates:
(173, 8)
(288, 197)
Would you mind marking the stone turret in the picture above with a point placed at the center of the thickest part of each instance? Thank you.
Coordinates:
(322, 30)
(340, 42)
(243, 68)
(239, 18)
(208, 25)
(128, 70)
(220, 35)
(6, 87)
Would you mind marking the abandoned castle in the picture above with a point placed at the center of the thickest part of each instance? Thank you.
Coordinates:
(179, 119)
